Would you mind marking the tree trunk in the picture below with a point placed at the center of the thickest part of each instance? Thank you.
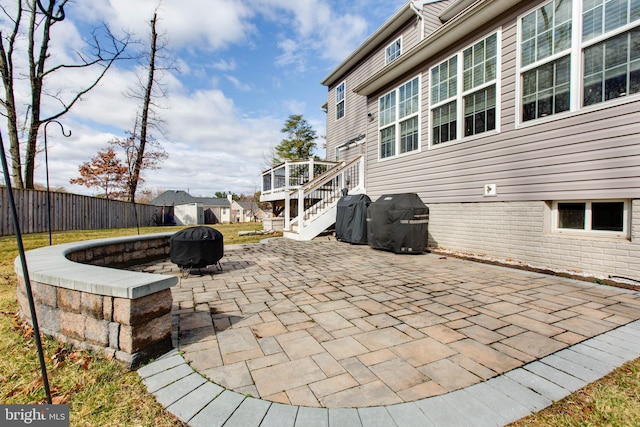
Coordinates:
(36, 74)
(9, 104)
(144, 121)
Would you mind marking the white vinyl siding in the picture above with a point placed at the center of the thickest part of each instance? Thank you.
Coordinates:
(474, 104)
(399, 121)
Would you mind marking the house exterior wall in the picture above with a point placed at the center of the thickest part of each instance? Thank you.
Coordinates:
(354, 122)
(520, 232)
(590, 153)
(431, 13)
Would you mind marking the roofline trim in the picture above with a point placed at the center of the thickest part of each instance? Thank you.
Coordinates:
(391, 25)
(478, 14)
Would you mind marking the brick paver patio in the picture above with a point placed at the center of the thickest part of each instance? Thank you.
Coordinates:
(328, 324)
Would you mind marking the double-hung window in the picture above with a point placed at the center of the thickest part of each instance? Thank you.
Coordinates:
(545, 58)
(466, 94)
(393, 51)
(611, 40)
(480, 72)
(399, 120)
(562, 69)
(340, 101)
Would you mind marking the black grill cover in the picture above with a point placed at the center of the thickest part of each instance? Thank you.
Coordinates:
(351, 219)
(196, 247)
(398, 223)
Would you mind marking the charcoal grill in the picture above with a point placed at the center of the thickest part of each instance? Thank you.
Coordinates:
(196, 248)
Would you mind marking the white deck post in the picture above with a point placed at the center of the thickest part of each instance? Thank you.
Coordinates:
(286, 176)
(300, 209)
(287, 212)
(311, 169)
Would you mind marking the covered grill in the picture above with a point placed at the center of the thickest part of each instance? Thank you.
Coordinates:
(398, 223)
(196, 247)
(351, 219)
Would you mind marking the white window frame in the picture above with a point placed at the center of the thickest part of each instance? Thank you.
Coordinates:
(341, 100)
(396, 121)
(575, 53)
(461, 94)
(587, 231)
(391, 52)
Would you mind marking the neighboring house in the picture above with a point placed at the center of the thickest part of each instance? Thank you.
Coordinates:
(246, 211)
(516, 122)
(188, 210)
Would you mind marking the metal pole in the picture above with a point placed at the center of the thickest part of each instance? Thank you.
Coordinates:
(46, 166)
(25, 272)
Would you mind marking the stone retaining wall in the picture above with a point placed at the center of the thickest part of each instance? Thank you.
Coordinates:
(123, 314)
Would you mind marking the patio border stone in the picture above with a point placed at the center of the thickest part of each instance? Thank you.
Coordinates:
(497, 401)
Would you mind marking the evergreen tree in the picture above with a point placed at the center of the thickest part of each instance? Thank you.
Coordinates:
(300, 142)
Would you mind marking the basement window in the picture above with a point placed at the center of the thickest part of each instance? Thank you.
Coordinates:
(597, 217)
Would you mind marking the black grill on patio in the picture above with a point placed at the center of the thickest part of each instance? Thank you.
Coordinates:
(196, 247)
(398, 223)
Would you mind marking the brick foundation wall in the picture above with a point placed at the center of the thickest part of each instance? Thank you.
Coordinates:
(521, 232)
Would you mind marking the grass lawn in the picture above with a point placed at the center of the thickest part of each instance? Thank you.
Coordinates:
(102, 393)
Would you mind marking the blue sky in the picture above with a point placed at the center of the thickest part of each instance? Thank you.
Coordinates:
(244, 68)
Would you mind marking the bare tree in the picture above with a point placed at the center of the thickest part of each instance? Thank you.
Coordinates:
(150, 159)
(102, 50)
(147, 92)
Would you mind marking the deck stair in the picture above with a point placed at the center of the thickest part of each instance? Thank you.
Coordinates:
(317, 199)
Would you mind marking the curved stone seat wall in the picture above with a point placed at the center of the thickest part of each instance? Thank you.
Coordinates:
(83, 298)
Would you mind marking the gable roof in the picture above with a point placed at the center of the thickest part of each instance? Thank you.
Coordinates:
(179, 197)
(213, 201)
(469, 16)
(173, 198)
(391, 25)
(249, 206)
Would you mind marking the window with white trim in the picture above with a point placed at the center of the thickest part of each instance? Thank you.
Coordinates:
(340, 101)
(560, 73)
(545, 55)
(393, 51)
(605, 217)
(465, 95)
(399, 120)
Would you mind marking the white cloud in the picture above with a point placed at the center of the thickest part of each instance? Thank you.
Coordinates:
(224, 65)
(238, 84)
(295, 106)
(211, 25)
(214, 143)
(313, 29)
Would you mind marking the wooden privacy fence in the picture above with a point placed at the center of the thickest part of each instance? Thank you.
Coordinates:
(69, 212)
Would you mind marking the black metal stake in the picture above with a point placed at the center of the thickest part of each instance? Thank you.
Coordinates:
(25, 271)
(46, 166)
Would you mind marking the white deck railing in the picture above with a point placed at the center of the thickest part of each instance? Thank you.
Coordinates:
(290, 176)
(317, 200)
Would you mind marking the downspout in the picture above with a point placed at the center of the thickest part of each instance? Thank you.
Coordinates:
(418, 13)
